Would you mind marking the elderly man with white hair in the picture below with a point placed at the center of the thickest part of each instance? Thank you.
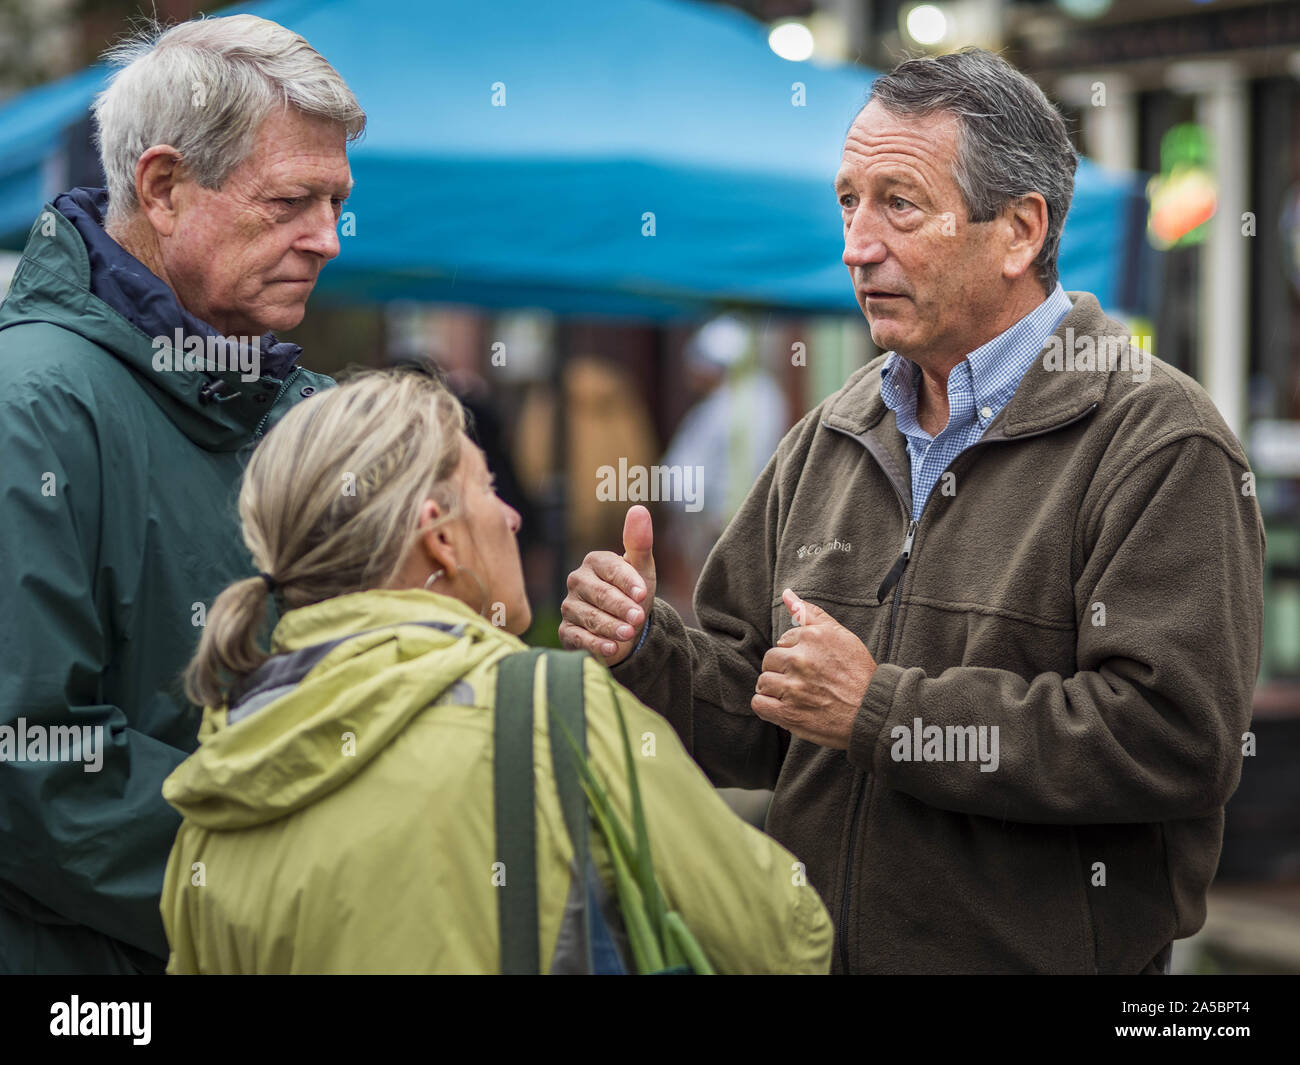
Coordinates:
(137, 361)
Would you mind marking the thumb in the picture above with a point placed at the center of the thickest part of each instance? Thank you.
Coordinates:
(805, 613)
(639, 541)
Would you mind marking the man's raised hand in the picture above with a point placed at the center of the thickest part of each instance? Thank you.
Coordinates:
(610, 595)
(815, 678)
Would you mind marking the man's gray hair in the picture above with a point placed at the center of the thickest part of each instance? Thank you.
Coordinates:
(1011, 140)
(205, 87)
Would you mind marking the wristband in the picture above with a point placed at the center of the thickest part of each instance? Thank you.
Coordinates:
(644, 630)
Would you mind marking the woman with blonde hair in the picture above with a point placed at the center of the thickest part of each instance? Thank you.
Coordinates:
(342, 813)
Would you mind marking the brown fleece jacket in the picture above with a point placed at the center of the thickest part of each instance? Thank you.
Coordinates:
(1090, 585)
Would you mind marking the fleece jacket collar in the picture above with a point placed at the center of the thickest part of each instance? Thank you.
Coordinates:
(1043, 401)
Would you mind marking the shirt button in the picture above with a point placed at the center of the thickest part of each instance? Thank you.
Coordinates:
(986, 412)
(307, 390)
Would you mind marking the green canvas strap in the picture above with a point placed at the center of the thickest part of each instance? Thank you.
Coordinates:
(513, 788)
(564, 696)
(512, 772)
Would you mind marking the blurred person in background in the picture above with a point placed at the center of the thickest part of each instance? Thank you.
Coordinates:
(137, 360)
(731, 432)
(321, 858)
(604, 419)
(990, 621)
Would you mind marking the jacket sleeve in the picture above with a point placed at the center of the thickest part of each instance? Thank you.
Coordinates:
(702, 680)
(89, 847)
(1169, 617)
(743, 895)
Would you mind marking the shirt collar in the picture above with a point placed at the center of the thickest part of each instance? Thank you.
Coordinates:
(992, 371)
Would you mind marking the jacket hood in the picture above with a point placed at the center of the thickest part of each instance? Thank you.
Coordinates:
(74, 275)
(346, 676)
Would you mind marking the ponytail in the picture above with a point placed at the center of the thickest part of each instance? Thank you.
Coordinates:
(231, 643)
(330, 505)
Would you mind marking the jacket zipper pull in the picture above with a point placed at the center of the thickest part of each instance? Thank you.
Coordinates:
(896, 571)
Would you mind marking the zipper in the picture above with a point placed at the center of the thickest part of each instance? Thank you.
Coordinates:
(894, 579)
(284, 387)
(896, 571)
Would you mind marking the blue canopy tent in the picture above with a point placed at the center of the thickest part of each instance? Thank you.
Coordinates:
(517, 154)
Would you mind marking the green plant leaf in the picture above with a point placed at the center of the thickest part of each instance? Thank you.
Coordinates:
(642, 937)
(588, 777)
(645, 857)
(690, 946)
(658, 936)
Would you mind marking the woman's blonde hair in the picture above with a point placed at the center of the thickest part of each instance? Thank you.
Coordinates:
(329, 505)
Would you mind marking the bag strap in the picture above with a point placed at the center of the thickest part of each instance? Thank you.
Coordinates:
(564, 696)
(514, 787)
(512, 770)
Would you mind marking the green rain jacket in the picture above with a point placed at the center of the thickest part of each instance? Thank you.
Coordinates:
(345, 821)
(119, 525)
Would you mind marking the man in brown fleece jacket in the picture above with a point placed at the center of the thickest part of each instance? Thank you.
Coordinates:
(989, 622)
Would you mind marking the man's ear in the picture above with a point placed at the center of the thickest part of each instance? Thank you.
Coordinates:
(1026, 220)
(436, 543)
(157, 173)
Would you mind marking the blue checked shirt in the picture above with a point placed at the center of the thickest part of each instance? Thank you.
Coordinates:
(978, 387)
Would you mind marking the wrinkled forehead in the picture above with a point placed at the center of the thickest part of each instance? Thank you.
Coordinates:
(878, 129)
(292, 146)
(927, 143)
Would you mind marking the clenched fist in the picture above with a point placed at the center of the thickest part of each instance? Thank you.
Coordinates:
(815, 678)
(610, 596)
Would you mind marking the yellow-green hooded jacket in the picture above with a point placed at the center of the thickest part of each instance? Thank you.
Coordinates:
(344, 821)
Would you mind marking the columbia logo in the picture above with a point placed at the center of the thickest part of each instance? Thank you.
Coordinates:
(812, 550)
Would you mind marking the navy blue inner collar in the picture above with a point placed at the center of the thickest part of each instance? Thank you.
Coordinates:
(138, 294)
